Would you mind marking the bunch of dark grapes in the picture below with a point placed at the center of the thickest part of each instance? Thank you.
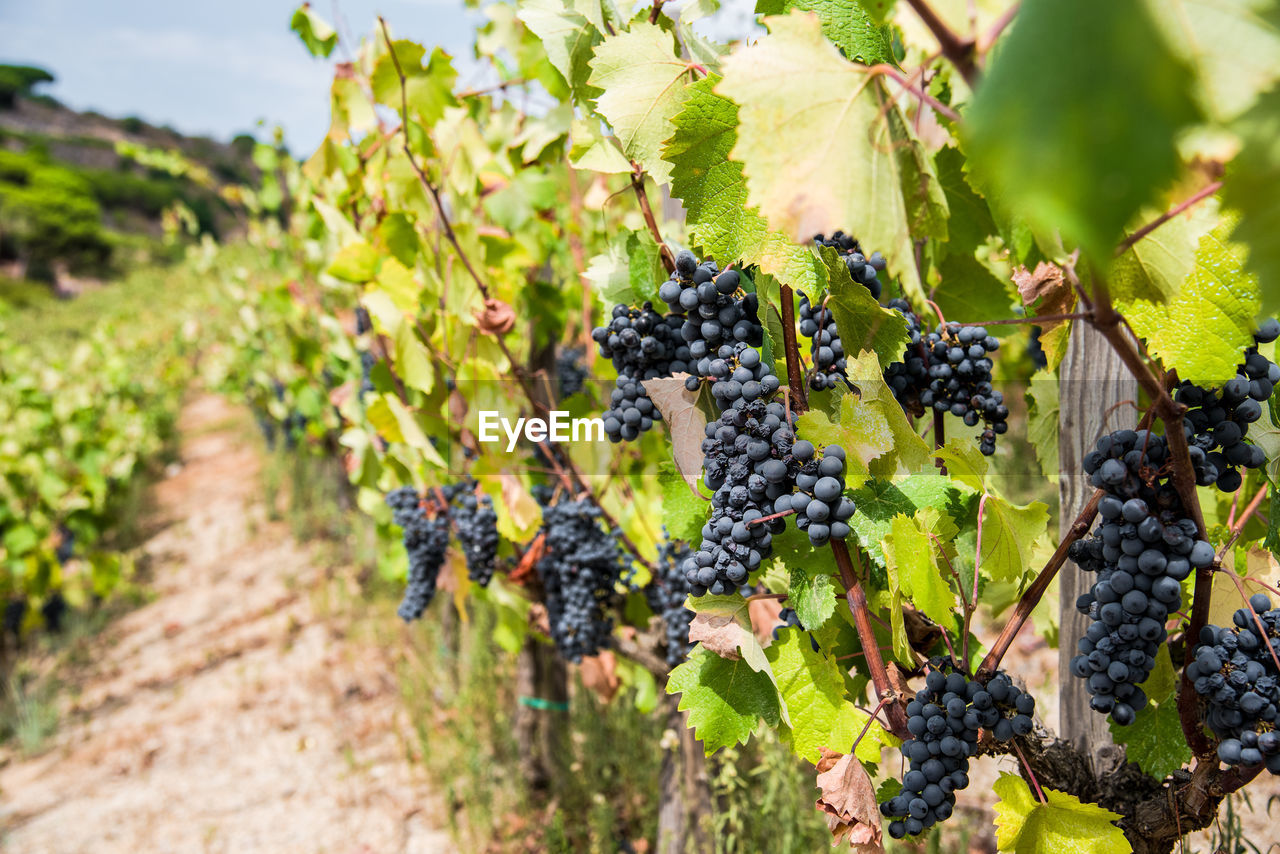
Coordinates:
(15, 612)
(740, 378)
(1218, 420)
(714, 317)
(580, 573)
(747, 462)
(642, 345)
(571, 373)
(1234, 671)
(825, 347)
(1142, 549)
(475, 524)
(819, 502)
(66, 545)
(426, 541)
(367, 361)
(862, 269)
(666, 593)
(363, 322)
(949, 370)
(54, 610)
(944, 720)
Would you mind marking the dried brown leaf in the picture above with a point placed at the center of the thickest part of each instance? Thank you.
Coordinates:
(848, 802)
(764, 618)
(529, 559)
(600, 674)
(722, 634)
(497, 318)
(687, 423)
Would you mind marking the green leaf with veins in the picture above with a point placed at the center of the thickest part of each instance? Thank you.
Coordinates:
(711, 185)
(1062, 825)
(812, 596)
(645, 85)
(724, 697)
(846, 23)
(912, 557)
(1078, 150)
(910, 453)
(812, 688)
(1219, 300)
(864, 324)
(1154, 740)
(824, 147)
(568, 38)
(1155, 267)
(1042, 419)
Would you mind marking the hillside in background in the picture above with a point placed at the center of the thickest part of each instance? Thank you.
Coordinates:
(82, 193)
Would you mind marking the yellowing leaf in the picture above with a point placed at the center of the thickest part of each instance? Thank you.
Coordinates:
(1062, 825)
(645, 84)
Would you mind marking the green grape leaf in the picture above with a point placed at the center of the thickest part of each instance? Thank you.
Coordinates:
(1250, 189)
(724, 697)
(682, 512)
(812, 596)
(1073, 150)
(723, 625)
(317, 34)
(824, 147)
(910, 453)
(878, 501)
(1155, 267)
(568, 38)
(593, 151)
(1042, 419)
(1154, 740)
(812, 690)
(912, 558)
(428, 89)
(711, 186)
(628, 272)
(1233, 50)
(645, 84)
(1218, 300)
(355, 262)
(846, 23)
(1062, 825)
(864, 324)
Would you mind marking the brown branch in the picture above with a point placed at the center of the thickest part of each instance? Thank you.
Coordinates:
(795, 377)
(1001, 24)
(637, 184)
(1044, 318)
(857, 600)
(1036, 591)
(959, 51)
(1204, 193)
(923, 96)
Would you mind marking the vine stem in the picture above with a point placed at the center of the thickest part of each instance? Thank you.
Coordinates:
(1036, 319)
(1031, 775)
(857, 599)
(959, 51)
(637, 184)
(874, 716)
(795, 378)
(1237, 525)
(1036, 591)
(1203, 194)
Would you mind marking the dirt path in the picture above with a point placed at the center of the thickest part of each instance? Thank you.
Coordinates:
(228, 714)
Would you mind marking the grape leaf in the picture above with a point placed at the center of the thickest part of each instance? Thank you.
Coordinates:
(1042, 419)
(1154, 740)
(725, 698)
(710, 184)
(682, 512)
(592, 150)
(1155, 267)
(627, 271)
(316, 33)
(428, 89)
(846, 23)
(825, 148)
(1218, 300)
(1062, 825)
(912, 559)
(1250, 189)
(645, 84)
(864, 324)
(878, 501)
(686, 421)
(1233, 49)
(812, 691)
(1073, 150)
(910, 454)
(568, 38)
(812, 596)
(1009, 531)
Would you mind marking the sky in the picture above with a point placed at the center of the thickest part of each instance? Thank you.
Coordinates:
(215, 67)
